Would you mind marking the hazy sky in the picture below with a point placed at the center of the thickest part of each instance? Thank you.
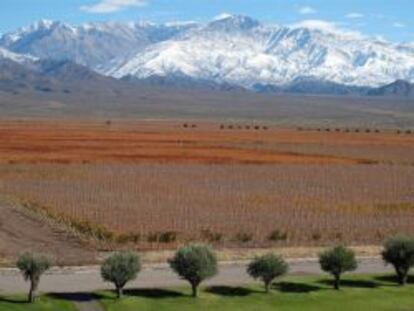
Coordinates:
(390, 19)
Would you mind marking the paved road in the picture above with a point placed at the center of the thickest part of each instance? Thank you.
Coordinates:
(87, 279)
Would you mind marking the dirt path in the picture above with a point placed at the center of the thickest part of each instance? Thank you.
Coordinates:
(22, 231)
(87, 279)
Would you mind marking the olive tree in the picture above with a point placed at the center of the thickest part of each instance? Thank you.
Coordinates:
(32, 266)
(267, 268)
(399, 251)
(119, 269)
(337, 261)
(194, 263)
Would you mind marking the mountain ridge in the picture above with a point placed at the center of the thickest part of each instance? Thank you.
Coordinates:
(227, 53)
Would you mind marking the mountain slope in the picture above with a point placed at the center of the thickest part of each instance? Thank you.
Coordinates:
(239, 50)
(18, 58)
(232, 52)
(399, 88)
(96, 45)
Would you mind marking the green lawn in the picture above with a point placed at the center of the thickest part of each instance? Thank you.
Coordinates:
(44, 303)
(292, 293)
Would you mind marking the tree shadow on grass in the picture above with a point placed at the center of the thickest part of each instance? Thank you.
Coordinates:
(352, 283)
(230, 291)
(292, 287)
(13, 300)
(152, 293)
(391, 279)
(76, 297)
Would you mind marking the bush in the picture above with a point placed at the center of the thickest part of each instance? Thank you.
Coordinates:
(277, 235)
(128, 238)
(267, 268)
(211, 236)
(119, 269)
(399, 252)
(337, 261)
(244, 237)
(167, 237)
(32, 266)
(194, 263)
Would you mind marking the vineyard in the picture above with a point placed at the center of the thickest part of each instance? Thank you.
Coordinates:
(229, 188)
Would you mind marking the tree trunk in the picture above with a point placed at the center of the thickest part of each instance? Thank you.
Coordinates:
(32, 292)
(119, 292)
(194, 290)
(267, 287)
(337, 282)
(402, 277)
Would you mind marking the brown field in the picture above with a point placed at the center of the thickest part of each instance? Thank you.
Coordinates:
(154, 185)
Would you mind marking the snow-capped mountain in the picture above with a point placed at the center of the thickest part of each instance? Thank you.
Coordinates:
(241, 51)
(98, 46)
(18, 58)
(231, 50)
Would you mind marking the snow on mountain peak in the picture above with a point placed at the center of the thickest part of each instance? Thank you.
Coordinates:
(239, 50)
(232, 49)
(18, 58)
(229, 22)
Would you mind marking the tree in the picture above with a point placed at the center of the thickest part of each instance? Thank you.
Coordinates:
(337, 261)
(194, 263)
(32, 266)
(119, 269)
(267, 268)
(399, 252)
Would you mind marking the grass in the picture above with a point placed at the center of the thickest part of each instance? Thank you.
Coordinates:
(44, 303)
(293, 293)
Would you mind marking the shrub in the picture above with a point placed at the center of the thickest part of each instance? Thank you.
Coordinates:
(32, 266)
(277, 235)
(194, 263)
(167, 237)
(153, 237)
(244, 237)
(399, 252)
(337, 261)
(267, 268)
(211, 236)
(128, 238)
(119, 269)
(316, 236)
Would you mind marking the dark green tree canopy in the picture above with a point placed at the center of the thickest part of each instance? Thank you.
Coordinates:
(120, 268)
(32, 266)
(194, 263)
(267, 268)
(338, 260)
(399, 252)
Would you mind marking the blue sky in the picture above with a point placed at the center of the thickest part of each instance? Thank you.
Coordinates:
(390, 19)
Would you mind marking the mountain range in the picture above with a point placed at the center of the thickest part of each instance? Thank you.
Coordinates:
(229, 53)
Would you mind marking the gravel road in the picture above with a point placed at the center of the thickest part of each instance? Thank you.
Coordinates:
(87, 279)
